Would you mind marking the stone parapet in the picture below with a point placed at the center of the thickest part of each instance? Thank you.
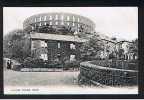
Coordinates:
(91, 73)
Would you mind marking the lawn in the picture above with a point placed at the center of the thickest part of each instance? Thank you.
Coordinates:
(54, 83)
(16, 78)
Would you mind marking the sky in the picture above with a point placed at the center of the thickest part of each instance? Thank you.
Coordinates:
(120, 22)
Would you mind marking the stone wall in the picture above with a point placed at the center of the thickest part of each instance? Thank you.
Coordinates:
(91, 74)
(74, 21)
(52, 50)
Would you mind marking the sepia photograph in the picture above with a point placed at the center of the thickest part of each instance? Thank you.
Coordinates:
(70, 50)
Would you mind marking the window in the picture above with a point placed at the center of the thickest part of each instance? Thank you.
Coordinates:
(35, 25)
(78, 20)
(45, 23)
(56, 17)
(43, 44)
(73, 18)
(50, 18)
(62, 17)
(35, 20)
(68, 23)
(45, 17)
(32, 27)
(72, 46)
(40, 19)
(39, 24)
(50, 23)
(56, 23)
(78, 25)
(72, 57)
(62, 23)
(78, 30)
(73, 24)
(44, 56)
(68, 18)
(58, 45)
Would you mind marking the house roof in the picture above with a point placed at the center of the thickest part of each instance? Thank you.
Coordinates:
(46, 36)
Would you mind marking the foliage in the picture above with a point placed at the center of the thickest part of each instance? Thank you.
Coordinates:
(54, 29)
(45, 29)
(71, 64)
(112, 55)
(128, 65)
(30, 62)
(133, 47)
(16, 44)
(120, 53)
(90, 48)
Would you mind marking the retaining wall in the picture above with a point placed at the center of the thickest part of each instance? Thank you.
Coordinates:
(91, 73)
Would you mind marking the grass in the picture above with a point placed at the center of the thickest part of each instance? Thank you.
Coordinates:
(54, 83)
(15, 78)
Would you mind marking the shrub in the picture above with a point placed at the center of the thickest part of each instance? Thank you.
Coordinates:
(100, 63)
(53, 64)
(133, 61)
(71, 64)
(30, 62)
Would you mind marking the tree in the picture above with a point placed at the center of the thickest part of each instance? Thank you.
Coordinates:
(133, 47)
(16, 44)
(90, 48)
(120, 53)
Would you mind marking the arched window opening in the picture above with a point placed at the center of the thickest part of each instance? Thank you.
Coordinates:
(40, 19)
(56, 17)
(78, 19)
(50, 23)
(62, 23)
(50, 18)
(73, 18)
(62, 17)
(58, 45)
(68, 18)
(68, 23)
(56, 23)
(45, 17)
(72, 46)
(73, 24)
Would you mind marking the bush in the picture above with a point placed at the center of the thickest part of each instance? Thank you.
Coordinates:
(71, 64)
(133, 61)
(28, 59)
(40, 63)
(53, 64)
(100, 63)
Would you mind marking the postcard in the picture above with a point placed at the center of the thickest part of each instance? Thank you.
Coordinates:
(70, 50)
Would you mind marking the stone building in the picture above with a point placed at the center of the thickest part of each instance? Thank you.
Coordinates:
(127, 54)
(58, 44)
(56, 36)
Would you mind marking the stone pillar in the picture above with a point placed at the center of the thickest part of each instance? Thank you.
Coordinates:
(77, 51)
